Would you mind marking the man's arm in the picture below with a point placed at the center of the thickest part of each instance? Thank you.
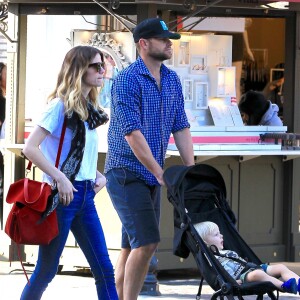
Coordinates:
(142, 151)
(184, 144)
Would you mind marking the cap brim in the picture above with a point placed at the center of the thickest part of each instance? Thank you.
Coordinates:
(170, 35)
(167, 34)
(175, 36)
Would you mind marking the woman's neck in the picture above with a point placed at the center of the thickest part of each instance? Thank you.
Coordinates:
(85, 91)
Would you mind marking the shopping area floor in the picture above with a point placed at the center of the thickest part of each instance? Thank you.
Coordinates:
(74, 284)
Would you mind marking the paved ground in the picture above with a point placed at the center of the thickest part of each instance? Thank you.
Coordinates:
(172, 285)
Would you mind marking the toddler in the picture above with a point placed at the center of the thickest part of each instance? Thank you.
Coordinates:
(235, 265)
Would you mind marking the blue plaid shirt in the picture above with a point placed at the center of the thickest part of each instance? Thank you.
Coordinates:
(138, 104)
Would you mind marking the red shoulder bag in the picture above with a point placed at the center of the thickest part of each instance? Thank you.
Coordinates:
(29, 199)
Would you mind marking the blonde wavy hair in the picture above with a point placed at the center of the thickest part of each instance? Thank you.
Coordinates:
(69, 81)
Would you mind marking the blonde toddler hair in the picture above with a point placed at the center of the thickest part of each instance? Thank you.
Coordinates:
(205, 228)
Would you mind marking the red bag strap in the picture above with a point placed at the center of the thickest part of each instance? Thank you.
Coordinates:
(20, 259)
(61, 140)
(26, 194)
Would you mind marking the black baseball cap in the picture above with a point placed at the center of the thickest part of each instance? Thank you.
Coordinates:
(153, 28)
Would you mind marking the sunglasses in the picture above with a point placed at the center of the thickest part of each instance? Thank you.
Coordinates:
(98, 66)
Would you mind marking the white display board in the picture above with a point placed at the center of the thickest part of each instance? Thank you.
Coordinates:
(194, 58)
(226, 115)
(216, 24)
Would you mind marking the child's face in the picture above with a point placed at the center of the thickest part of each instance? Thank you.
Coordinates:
(215, 238)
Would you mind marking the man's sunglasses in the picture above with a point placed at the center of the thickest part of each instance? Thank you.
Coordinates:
(98, 66)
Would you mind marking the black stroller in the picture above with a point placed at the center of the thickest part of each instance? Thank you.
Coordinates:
(198, 194)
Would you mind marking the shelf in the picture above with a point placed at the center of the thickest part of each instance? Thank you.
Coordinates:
(206, 155)
(243, 155)
(15, 148)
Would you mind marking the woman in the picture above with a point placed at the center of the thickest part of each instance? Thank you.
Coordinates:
(76, 178)
(256, 110)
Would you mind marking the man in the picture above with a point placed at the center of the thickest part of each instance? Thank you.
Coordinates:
(147, 106)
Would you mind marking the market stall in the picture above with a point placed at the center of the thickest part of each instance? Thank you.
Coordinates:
(259, 176)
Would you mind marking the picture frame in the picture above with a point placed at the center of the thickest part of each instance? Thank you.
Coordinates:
(183, 58)
(222, 81)
(188, 90)
(198, 64)
(200, 95)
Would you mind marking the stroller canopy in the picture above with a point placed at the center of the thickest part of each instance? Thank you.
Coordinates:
(177, 176)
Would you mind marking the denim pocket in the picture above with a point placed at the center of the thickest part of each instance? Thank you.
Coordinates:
(119, 175)
(122, 176)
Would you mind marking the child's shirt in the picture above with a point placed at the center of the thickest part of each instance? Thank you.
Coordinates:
(234, 268)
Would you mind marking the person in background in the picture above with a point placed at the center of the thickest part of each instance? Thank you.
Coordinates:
(274, 90)
(234, 265)
(257, 110)
(77, 178)
(275, 85)
(147, 106)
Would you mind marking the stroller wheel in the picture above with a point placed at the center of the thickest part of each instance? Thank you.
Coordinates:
(226, 288)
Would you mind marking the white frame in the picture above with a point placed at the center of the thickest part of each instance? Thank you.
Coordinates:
(181, 54)
(222, 82)
(188, 90)
(225, 89)
(200, 95)
(198, 64)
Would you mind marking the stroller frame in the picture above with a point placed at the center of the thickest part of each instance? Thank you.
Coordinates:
(198, 193)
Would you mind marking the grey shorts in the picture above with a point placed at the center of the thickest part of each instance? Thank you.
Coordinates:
(243, 276)
(138, 207)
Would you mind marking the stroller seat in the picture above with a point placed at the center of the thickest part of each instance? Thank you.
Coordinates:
(198, 193)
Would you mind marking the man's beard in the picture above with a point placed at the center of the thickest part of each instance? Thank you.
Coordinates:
(160, 56)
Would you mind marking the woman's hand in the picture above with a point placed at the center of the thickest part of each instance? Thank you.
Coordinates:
(100, 182)
(65, 190)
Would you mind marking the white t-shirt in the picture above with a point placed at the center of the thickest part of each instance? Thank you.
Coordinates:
(52, 120)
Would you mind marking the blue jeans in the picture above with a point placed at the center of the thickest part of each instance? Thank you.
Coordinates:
(82, 219)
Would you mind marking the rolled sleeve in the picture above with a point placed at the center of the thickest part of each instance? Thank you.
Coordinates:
(127, 109)
(181, 124)
(181, 120)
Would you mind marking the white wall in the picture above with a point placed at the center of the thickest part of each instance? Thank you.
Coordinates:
(47, 45)
(216, 50)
